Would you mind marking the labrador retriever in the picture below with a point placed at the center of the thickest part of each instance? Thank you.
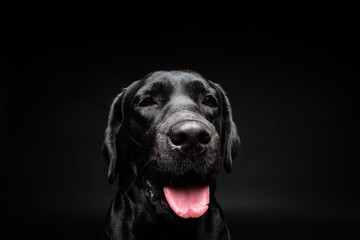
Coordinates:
(166, 138)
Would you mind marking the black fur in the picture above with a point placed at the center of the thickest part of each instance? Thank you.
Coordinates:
(137, 148)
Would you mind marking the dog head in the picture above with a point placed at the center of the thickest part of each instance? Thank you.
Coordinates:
(172, 130)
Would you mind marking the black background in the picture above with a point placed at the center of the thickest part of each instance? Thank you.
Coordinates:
(291, 85)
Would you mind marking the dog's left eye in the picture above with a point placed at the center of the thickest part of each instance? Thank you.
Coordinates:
(147, 102)
(210, 101)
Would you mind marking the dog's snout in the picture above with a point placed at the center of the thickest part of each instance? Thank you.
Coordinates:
(192, 137)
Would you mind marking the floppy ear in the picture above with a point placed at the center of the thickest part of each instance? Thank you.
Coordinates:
(116, 116)
(231, 140)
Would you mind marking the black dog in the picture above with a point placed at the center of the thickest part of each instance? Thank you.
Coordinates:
(166, 137)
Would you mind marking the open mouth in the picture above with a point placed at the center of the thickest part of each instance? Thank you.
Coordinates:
(187, 196)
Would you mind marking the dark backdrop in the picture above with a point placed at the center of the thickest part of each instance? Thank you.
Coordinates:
(292, 89)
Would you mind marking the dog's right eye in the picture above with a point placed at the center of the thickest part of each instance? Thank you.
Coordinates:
(147, 102)
(210, 101)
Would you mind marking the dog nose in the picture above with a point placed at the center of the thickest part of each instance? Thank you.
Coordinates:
(192, 137)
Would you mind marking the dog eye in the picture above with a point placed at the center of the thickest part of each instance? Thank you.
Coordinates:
(147, 102)
(210, 101)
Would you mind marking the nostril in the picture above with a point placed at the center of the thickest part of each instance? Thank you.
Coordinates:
(178, 138)
(204, 137)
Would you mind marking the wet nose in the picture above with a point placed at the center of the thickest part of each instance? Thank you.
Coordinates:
(191, 137)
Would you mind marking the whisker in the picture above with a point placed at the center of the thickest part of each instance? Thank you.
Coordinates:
(135, 177)
(142, 169)
(213, 121)
(132, 183)
(137, 142)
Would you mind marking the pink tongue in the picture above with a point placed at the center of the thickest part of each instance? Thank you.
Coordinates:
(188, 202)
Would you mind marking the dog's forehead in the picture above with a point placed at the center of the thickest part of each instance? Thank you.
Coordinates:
(175, 81)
